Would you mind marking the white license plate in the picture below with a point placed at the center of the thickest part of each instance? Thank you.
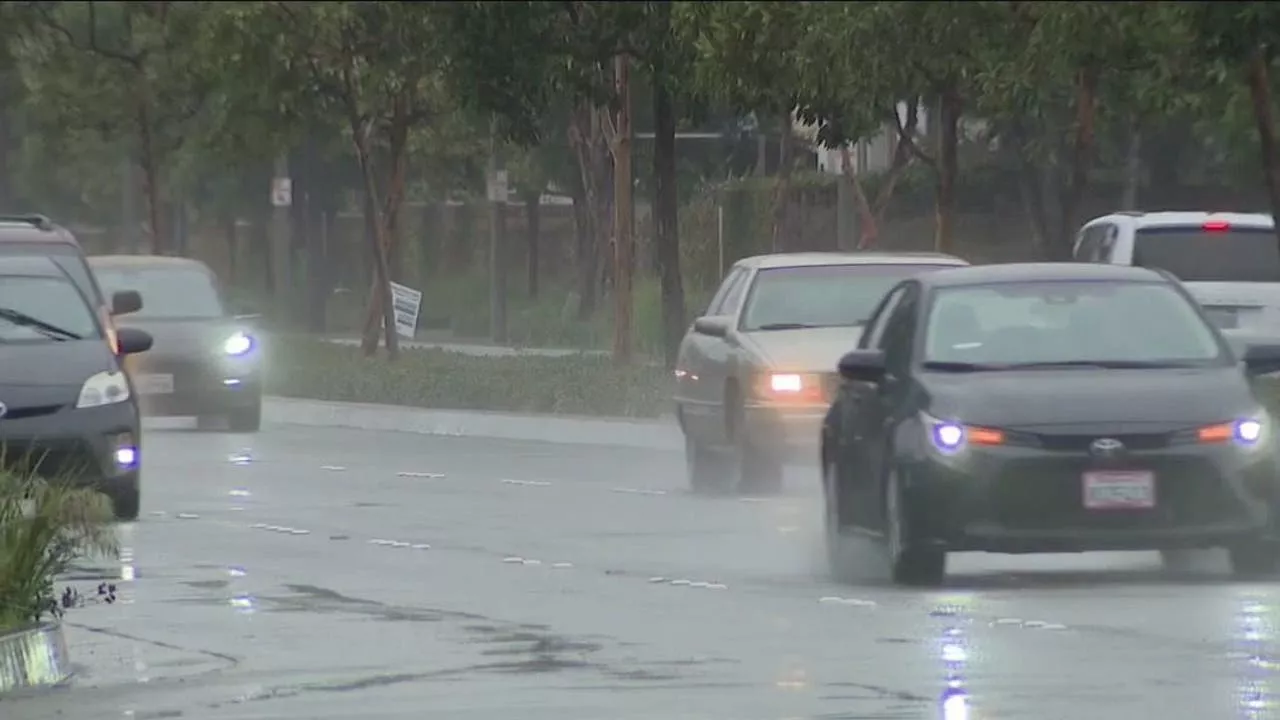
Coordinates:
(154, 384)
(1129, 490)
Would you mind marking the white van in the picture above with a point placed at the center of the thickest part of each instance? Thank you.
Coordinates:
(1230, 262)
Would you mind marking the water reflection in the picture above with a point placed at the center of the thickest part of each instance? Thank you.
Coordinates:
(953, 651)
(1253, 638)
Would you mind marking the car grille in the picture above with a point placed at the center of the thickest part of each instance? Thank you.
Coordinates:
(30, 411)
(1080, 443)
(1045, 496)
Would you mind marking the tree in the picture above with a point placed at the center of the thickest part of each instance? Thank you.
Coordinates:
(377, 67)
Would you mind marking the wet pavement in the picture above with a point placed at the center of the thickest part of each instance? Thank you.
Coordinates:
(307, 573)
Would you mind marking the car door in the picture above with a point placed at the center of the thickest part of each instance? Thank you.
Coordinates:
(882, 408)
(698, 368)
(852, 418)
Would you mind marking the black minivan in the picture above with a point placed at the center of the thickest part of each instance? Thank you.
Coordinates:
(67, 409)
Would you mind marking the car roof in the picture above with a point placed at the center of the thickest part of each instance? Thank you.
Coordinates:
(30, 266)
(33, 228)
(144, 262)
(1039, 272)
(820, 259)
(1182, 218)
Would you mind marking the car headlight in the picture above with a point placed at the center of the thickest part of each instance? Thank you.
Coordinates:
(105, 388)
(1248, 431)
(950, 437)
(237, 344)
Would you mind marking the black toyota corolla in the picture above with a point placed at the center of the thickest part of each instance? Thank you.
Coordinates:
(1030, 408)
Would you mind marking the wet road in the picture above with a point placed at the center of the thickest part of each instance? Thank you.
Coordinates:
(309, 573)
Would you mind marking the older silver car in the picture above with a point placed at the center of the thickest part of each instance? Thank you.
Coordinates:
(757, 371)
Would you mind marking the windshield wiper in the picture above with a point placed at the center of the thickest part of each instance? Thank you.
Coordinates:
(1105, 364)
(24, 320)
(785, 326)
(956, 366)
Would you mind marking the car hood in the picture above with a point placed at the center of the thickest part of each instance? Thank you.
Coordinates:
(183, 337)
(1090, 397)
(50, 373)
(803, 350)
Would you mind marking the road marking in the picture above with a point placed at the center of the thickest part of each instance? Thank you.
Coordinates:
(333, 468)
(562, 565)
(529, 483)
(856, 602)
(638, 491)
(188, 516)
(425, 475)
(280, 529)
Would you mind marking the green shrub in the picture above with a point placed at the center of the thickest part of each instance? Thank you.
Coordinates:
(577, 384)
(44, 527)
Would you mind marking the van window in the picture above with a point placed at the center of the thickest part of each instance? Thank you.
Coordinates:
(1197, 255)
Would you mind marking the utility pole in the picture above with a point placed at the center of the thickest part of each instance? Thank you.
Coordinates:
(623, 247)
(497, 240)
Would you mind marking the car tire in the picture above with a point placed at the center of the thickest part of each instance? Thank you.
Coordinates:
(247, 418)
(1257, 558)
(704, 466)
(842, 556)
(909, 564)
(126, 503)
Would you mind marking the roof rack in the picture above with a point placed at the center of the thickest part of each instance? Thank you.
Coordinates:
(1130, 213)
(36, 220)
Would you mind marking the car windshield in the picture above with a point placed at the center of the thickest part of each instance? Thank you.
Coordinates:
(821, 296)
(43, 309)
(167, 293)
(1143, 323)
(1194, 254)
(67, 256)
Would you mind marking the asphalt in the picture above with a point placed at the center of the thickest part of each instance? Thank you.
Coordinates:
(309, 573)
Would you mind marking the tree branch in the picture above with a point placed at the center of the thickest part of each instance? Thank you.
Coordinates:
(46, 13)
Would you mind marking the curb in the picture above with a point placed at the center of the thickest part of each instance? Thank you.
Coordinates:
(662, 434)
(34, 658)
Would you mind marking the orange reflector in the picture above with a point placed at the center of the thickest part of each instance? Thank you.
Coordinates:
(1216, 433)
(984, 436)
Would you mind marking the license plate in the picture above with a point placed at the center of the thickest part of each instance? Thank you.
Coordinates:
(149, 384)
(1132, 490)
(1224, 317)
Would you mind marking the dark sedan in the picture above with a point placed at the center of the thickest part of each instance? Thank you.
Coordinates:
(206, 361)
(1030, 408)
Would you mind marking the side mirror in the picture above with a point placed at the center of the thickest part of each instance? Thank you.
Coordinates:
(862, 365)
(132, 341)
(125, 302)
(1261, 359)
(712, 325)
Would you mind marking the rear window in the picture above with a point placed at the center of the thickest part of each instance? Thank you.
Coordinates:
(1197, 255)
(67, 256)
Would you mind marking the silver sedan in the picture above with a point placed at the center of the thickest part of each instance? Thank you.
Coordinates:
(757, 371)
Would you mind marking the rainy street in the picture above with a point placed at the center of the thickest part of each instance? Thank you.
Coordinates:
(326, 573)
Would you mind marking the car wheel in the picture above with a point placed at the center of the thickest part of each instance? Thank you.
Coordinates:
(126, 503)
(1255, 558)
(705, 468)
(246, 419)
(841, 556)
(908, 565)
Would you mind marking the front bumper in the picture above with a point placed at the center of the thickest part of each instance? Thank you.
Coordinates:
(1021, 500)
(175, 386)
(792, 432)
(93, 447)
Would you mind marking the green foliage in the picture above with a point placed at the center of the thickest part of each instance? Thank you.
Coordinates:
(575, 385)
(44, 528)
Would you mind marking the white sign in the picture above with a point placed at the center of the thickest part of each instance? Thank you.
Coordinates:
(406, 303)
(281, 192)
(498, 190)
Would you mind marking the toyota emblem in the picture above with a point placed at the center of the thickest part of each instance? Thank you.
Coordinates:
(1106, 447)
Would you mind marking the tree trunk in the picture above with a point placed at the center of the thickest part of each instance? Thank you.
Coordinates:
(666, 222)
(586, 141)
(398, 140)
(151, 181)
(782, 189)
(623, 247)
(380, 291)
(1081, 162)
(948, 145)
(532, 233)
(1132, 165)
(1259, 76)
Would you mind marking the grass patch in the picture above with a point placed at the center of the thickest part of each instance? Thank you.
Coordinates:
(303, 367)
